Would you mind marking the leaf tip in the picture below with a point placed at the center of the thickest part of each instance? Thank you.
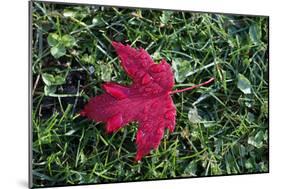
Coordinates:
(116, 44)
(138, 157)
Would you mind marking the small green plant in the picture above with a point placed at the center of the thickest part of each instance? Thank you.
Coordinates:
(59, 44)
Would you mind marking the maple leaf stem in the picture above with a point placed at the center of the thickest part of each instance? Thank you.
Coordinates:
(193, 87)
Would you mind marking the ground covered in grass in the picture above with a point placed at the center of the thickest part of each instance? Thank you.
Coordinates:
(221, 129)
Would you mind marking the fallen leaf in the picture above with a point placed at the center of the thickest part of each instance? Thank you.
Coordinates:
(147, 100)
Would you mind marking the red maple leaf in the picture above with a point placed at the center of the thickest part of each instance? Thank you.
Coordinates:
(147, 100)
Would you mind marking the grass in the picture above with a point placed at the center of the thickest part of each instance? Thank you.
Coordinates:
(221, 129)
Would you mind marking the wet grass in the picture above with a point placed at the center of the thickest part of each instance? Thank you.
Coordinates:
(221, 129)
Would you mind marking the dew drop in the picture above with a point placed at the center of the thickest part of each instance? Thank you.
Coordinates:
(146, 126)
(157, 79)
(145, 79)
(142, 55)
(154, 105)
(160, 131)
(156, 68)
(169, 114)
(144, 63)
(169, 106)
(140, 74)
